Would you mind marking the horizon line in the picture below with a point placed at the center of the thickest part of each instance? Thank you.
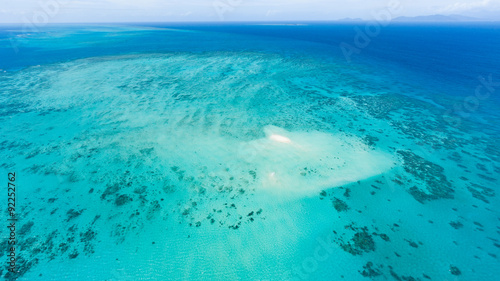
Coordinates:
(347, 20)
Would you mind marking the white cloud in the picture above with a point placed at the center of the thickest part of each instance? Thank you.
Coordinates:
(465, 6)
(271, 12)
(203, 10)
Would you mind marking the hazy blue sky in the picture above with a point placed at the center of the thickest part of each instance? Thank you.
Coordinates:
(229, 10)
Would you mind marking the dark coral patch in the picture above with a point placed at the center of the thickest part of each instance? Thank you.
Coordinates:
(122, 200)
(437, 186)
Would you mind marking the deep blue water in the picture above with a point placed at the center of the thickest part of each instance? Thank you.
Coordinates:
(449, 53)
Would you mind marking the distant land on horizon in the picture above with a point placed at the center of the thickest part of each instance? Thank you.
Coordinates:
(439, 18)
(429, 18)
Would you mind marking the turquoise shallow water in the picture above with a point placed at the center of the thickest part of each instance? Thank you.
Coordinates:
(214, 153)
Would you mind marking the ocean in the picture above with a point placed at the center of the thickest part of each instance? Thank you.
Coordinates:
(250, 151)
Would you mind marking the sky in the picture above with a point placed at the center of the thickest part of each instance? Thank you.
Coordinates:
(57, 11)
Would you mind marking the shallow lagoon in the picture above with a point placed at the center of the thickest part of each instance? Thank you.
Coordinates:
(142, 154)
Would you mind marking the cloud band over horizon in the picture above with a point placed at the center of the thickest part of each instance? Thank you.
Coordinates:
(69, 11)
